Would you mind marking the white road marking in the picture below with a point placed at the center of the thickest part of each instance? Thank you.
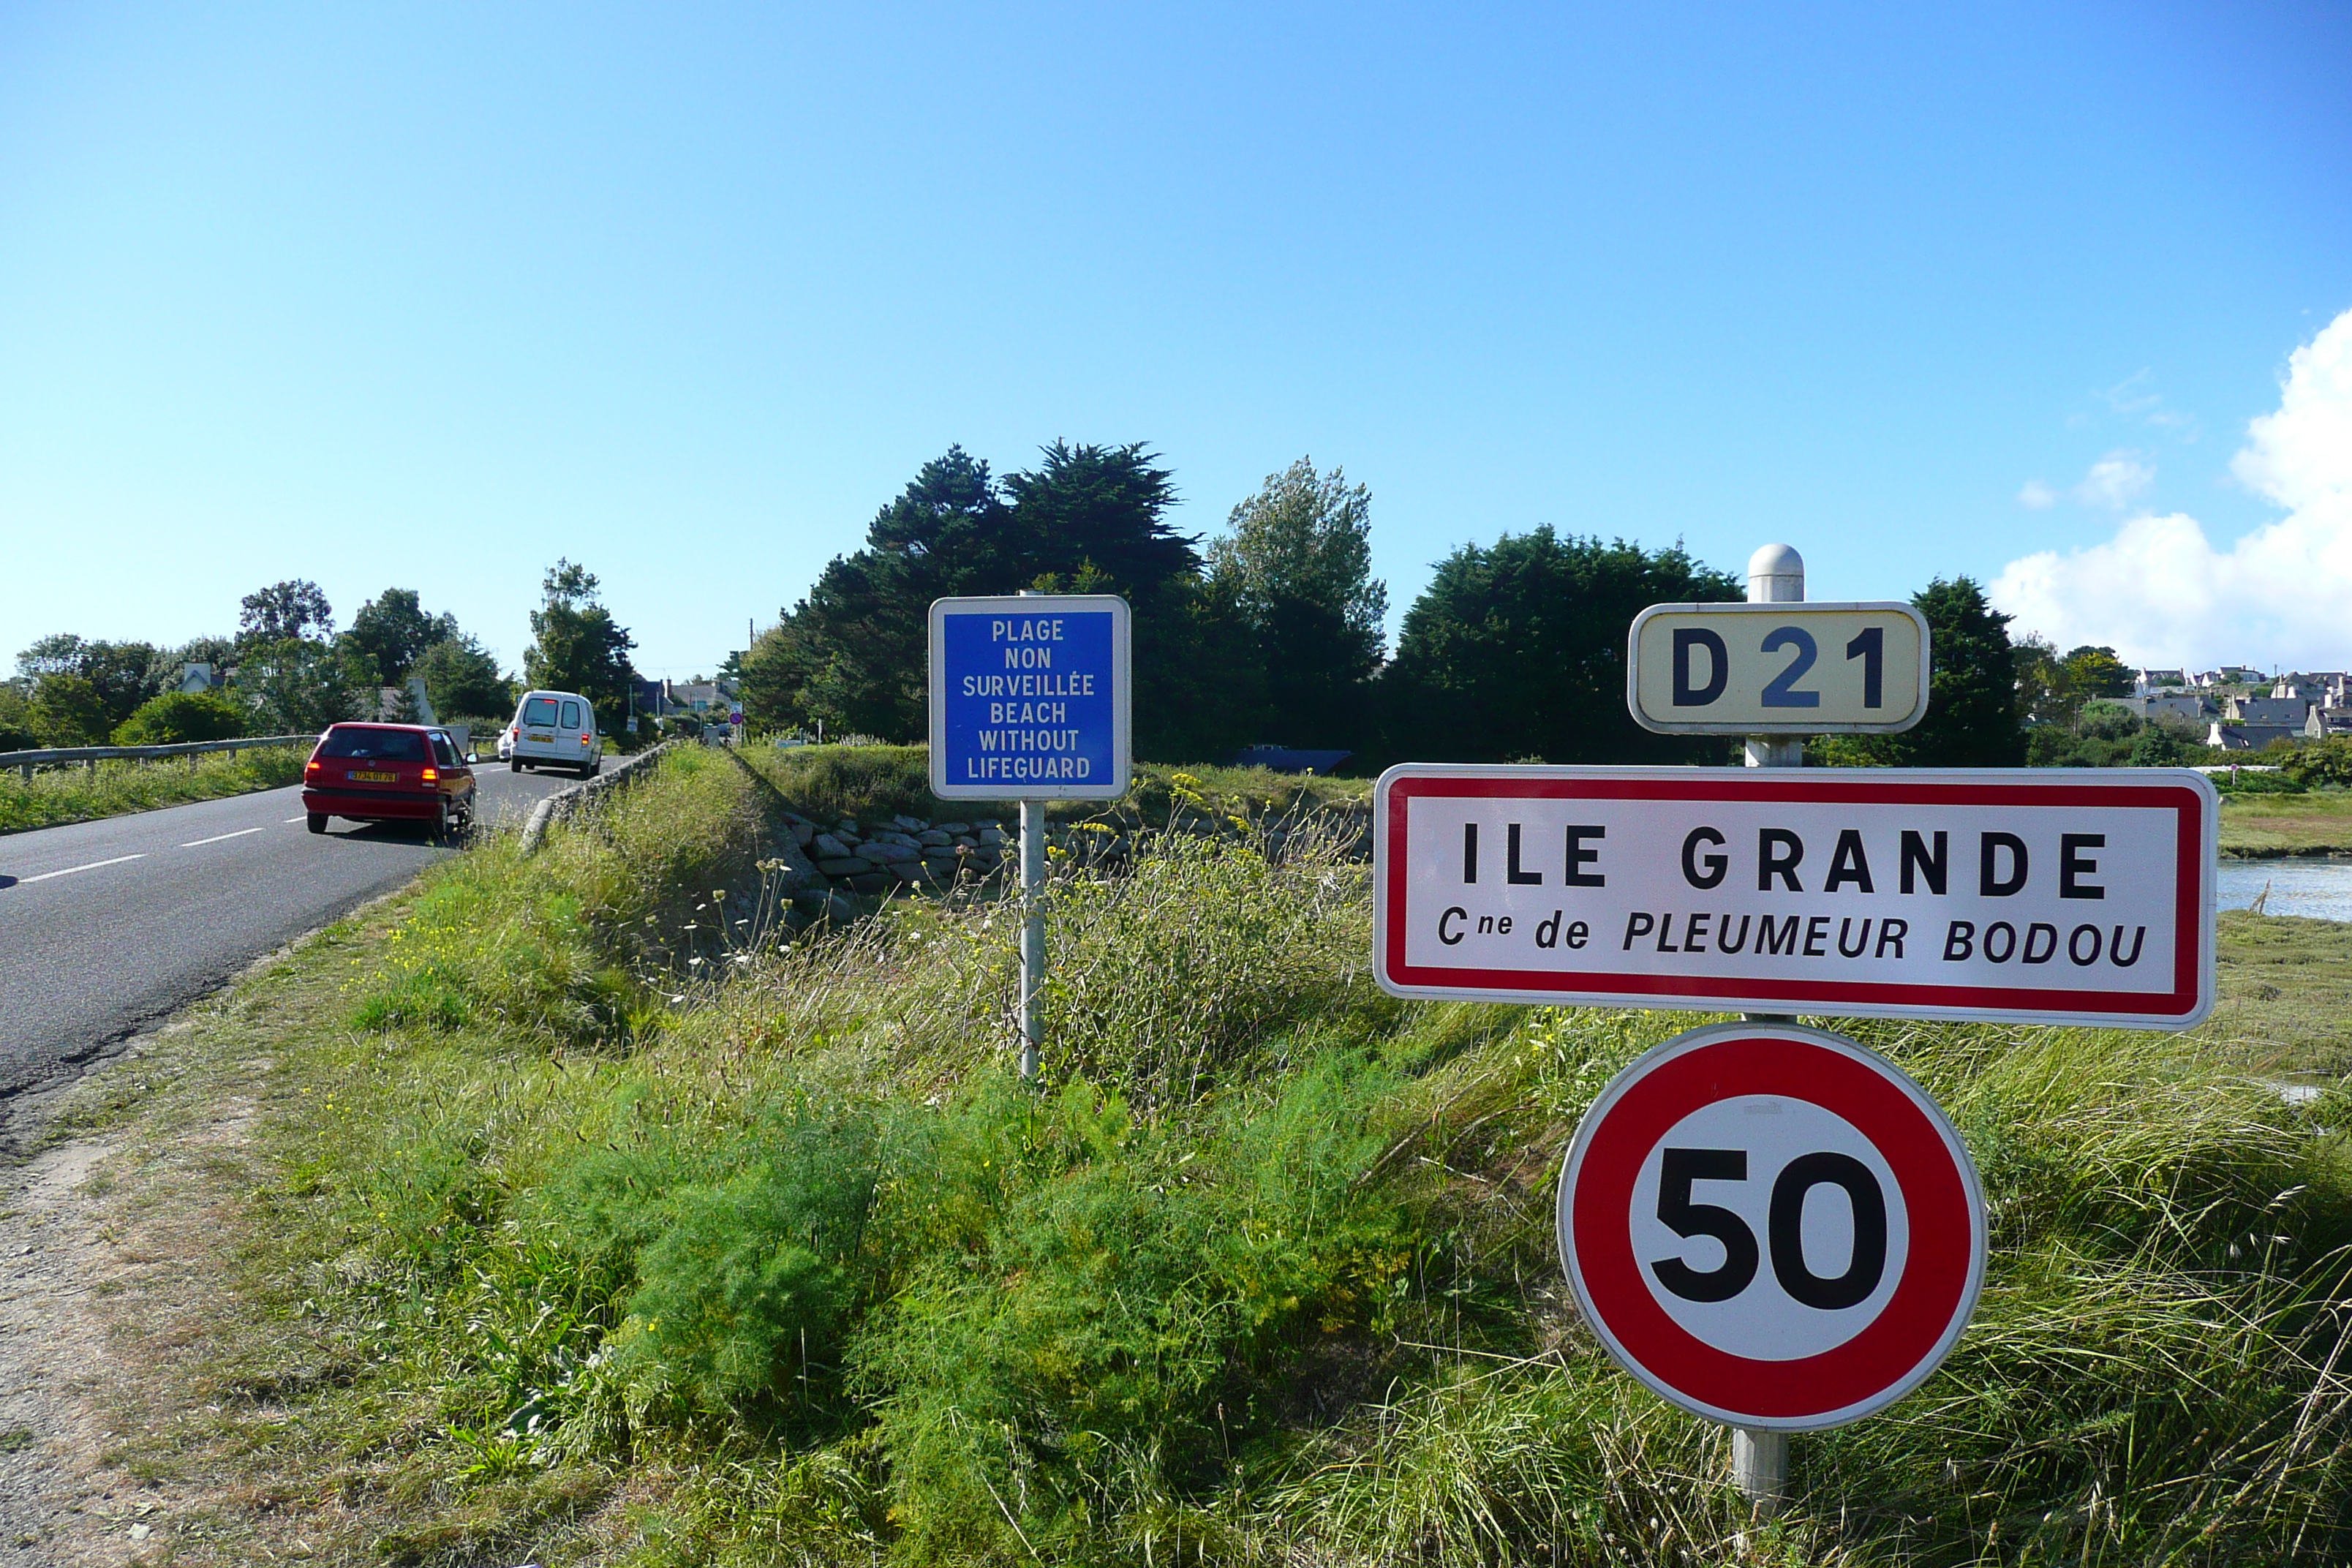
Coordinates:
(216, 838)
(294, 819)
(69, 871)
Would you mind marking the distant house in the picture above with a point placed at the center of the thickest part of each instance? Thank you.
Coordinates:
(2311, 687)
(2172, 705)
(702, 697)
(2288, 710)
(2325, 723)
(201, 677)
(2243, 675)
(2229, 737)
(2149, 681)
(666, 698)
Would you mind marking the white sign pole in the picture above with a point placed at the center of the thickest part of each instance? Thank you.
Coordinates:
(1032, 928)
(1033, 933)
(1759, 1459)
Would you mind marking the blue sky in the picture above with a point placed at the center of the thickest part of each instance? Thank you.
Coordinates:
(430, 296)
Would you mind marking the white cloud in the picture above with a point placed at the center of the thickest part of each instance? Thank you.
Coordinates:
(2160, 592)
(2115, 481)
(2037, 496)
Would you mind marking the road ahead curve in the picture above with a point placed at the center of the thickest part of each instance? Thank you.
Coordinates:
(108, 927)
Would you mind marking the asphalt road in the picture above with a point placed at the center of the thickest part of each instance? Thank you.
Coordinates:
(108, 927)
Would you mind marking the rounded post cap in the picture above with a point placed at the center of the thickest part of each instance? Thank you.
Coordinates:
(1776, 574)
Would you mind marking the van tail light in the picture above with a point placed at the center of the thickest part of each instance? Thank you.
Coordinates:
(587, 739)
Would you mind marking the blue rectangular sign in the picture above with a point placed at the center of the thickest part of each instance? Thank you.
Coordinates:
(1029, 696)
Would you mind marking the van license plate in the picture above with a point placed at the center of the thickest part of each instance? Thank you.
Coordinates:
(373, 778)
(542, 739)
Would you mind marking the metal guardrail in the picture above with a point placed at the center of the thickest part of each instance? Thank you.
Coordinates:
(91, 756)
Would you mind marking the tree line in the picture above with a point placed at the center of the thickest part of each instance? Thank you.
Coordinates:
(288, 671)
(1275, 632)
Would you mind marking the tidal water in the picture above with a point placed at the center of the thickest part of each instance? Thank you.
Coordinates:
(2315, 889)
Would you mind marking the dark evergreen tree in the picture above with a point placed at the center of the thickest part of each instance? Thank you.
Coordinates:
(1518, 651)
(852, 654)
(1973, 696)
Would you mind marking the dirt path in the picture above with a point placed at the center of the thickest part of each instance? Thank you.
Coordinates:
(60, 1503)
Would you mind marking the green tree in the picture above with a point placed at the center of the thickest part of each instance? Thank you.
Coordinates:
(218, 652)
(293, 608)
(16, 719)
(123, 674)
(2328, 762)
(1518, 650)
(1299, 567)
(392, 631)
(2095, 673)
(299, 685)
(1088, 519)
(69, 710)
(1973, 698)
(577, 646)
(180, 716)
(462, 678)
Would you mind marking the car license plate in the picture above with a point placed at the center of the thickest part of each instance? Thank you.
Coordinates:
(373, 778)
(542, 739)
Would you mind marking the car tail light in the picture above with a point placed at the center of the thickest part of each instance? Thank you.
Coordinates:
(311, 766)
(433, 776)
(587, 739)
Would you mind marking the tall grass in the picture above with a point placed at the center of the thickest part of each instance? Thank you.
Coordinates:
(1263, 1273)
(865, 783)
(55, 795)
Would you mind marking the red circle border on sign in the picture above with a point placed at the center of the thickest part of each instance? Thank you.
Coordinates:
(1878, 1366)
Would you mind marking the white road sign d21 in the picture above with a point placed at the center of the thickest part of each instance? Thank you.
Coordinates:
(2037, 895)
(1772, 1226)
(1789, 669)
(1031, 696)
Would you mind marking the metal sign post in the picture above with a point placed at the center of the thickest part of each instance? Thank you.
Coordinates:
(1776, 575)
(1030, 698)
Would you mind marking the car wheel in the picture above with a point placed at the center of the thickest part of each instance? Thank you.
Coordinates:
(515, 767)
(317, 821)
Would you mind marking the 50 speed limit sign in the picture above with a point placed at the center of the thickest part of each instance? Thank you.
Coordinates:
(1772, 1226)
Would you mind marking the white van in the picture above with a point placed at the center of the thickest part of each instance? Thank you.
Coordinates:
(556, 730)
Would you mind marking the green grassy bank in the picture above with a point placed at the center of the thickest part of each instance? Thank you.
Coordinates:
(2318, 823)
(55, 796)
(565, 1230)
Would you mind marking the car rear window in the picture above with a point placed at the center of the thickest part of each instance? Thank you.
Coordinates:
(571, 715)
(378, 746)
(539, 711)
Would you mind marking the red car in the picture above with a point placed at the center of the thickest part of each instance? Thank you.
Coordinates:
(388, 773)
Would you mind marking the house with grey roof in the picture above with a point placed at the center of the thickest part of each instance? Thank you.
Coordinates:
(2325, 722)
(2288, 710)
(2232, 737)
